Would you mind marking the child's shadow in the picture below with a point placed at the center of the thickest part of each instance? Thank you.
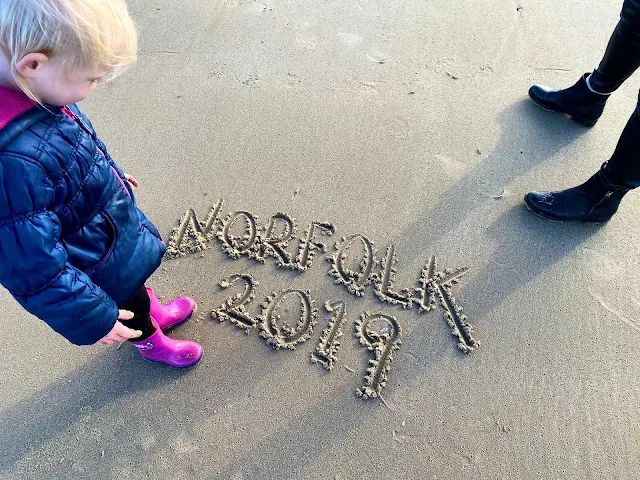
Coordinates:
(105, 381)
(101, 382)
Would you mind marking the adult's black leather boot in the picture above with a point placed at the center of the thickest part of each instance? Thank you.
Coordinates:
(596, 200)
(580, 103)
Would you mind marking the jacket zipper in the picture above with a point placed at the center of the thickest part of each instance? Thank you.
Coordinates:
(124, 187)
(67, 111)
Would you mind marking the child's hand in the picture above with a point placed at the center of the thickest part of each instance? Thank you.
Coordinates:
(132, 181)
(119, 332)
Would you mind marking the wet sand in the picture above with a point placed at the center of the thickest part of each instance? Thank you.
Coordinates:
(341, 186)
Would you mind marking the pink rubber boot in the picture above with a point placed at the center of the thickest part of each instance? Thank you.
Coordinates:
(162, 349)
(173, 313)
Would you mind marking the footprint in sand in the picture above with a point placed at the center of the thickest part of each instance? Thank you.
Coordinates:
(257, 7)
(456, 69)
(350, 39)
(306, 42)
(454, 169)
(250, 80)
(377, 57)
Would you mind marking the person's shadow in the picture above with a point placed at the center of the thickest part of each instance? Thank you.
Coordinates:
(522, 244)
(529, 136)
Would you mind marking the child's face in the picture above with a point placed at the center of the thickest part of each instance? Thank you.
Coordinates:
(56, 85)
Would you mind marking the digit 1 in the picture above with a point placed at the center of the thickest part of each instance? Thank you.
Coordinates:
(329, 343)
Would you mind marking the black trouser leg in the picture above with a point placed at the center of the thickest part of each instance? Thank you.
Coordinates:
(621, 58)
(624, 166)
(140, 305)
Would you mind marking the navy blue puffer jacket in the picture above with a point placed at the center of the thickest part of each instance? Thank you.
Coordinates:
(73, 244)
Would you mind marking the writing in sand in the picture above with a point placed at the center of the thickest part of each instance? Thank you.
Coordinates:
(354, 264)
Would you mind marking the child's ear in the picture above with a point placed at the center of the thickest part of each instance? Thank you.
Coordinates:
(28, 65)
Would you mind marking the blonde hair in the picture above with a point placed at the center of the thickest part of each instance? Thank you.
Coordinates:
(80, 33)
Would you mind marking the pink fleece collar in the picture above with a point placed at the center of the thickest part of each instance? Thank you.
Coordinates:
(13, 103)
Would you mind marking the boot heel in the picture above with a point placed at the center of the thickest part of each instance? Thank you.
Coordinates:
(596, 200)
(578, 102)
(585, 122)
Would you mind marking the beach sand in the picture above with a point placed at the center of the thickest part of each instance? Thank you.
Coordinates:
(375, 124)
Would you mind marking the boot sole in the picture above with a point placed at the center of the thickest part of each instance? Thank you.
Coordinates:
(174, 366)
(582, 122)
(557, 220)
(539, 214)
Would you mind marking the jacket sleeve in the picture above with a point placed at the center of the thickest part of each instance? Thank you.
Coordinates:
(35, 270)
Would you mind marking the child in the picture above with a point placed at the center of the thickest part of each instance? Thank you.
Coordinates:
(75, 250)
